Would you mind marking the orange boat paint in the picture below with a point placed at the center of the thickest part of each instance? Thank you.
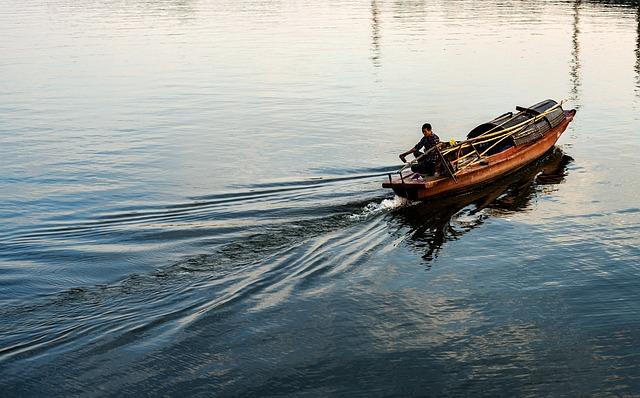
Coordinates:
(492, 168)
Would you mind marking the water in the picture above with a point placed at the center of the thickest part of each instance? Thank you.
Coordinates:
(190, 200)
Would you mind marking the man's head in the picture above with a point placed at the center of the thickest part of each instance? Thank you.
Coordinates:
(426, 129)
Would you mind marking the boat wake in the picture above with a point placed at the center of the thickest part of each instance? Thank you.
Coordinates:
(374, 208)
(213, 262)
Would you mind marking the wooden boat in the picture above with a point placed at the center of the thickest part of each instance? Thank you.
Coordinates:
(491, 151)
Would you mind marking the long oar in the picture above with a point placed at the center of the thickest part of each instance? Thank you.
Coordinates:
(446, 165)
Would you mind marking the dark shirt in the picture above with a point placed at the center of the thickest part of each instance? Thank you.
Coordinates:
(427, 142)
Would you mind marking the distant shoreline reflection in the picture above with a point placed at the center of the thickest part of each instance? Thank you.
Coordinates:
(434, 223)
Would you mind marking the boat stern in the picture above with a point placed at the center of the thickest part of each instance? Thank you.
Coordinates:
(410, 186)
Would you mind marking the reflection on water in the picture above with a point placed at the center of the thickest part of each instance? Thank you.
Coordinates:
(575, 54)
(434, 223)
(413, 11)
(190, 200)
(637, 67)
(375, 33)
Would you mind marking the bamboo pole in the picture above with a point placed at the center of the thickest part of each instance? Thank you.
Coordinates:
(503, 138)
(451, 173)
(488, 136)
(483, 138)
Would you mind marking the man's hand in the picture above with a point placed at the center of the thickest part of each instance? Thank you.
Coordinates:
(402, 157)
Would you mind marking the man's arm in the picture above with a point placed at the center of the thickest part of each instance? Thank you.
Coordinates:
(412, 150)
(403, 154)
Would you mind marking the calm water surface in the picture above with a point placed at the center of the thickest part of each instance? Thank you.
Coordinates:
(190, 200)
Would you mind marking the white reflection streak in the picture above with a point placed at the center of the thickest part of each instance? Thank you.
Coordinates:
(375, 33)
(575, 53)
(637, 67)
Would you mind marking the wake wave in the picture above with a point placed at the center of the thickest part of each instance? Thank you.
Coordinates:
(375, 208)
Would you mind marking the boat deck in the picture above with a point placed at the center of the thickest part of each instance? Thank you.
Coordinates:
(412, 178)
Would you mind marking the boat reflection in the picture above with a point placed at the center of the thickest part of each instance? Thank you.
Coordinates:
(434, 223)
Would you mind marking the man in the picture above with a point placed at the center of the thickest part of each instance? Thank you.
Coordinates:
(426, 164)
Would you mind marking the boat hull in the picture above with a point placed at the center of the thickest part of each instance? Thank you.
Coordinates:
(493, 168)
